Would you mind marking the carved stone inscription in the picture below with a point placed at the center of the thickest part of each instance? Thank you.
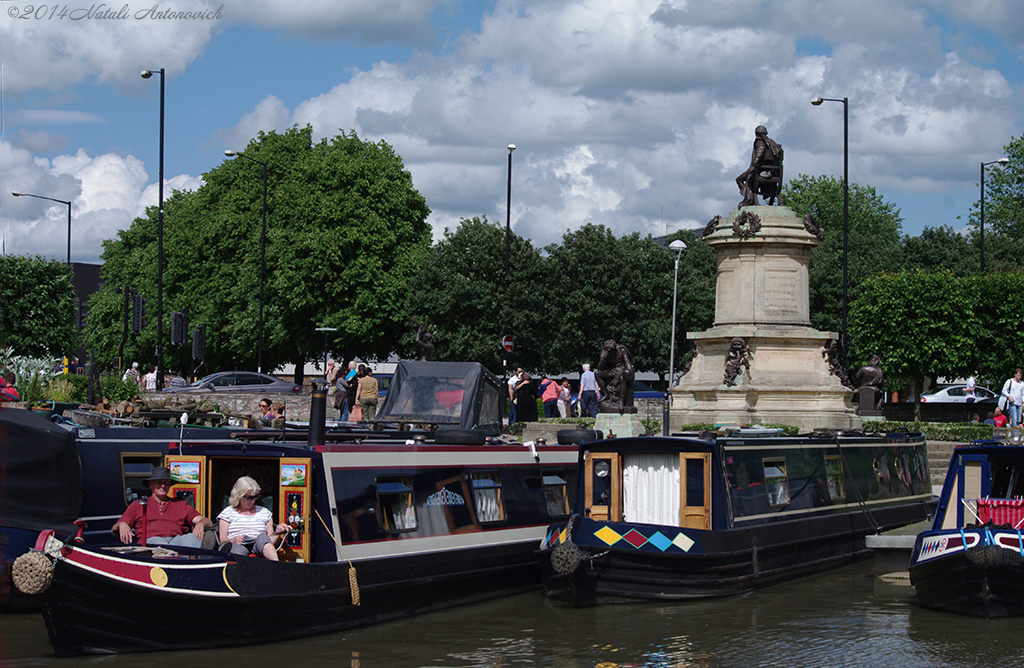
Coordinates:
(780, 293)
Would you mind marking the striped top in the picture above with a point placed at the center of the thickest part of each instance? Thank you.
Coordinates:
(249, 526)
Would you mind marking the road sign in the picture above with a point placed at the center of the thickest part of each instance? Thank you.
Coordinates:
(507, 343)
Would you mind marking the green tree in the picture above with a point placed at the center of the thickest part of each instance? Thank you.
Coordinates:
(939, 248)
(999, 334)
(1004, 195)
(621, 289)
(459, 291)
(39, 307)
(346, 233)
(874, 243)
(920, 324)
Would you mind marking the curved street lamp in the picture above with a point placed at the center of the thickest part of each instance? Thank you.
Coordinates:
(678, 246)
(846, 210)
(508, 242)
(263, 251)
(160, 245)
(1000, 161)
(61, 201)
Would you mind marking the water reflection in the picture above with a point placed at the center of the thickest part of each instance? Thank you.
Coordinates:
(843, 618)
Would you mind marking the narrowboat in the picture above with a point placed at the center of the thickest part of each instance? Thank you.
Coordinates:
(699, 516)
(385, 524)
(971, 560)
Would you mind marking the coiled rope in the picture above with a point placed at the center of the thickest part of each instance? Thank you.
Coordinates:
(353, 583)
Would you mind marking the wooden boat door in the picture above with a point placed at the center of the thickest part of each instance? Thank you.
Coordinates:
(603, 486)
(293, 506)
(695, 495)
(189, 479)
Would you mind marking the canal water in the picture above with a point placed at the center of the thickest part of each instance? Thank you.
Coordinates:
(845, 617)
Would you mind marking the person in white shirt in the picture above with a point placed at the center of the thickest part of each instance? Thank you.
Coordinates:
(969, 389)
(1013, 391)
(244, 527)
(512, 382)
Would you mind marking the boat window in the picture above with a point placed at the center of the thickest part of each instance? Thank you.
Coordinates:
(775, 481)
(834, 473)
(394, 496)
(135, 468)
(556, 496)
(487, 492)
(695, 482)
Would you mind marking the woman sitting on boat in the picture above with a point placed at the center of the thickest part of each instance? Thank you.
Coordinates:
(246, 528)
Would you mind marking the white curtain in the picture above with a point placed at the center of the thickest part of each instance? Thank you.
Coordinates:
(650, 488)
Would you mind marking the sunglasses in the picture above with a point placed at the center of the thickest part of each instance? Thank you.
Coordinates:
(251, 498)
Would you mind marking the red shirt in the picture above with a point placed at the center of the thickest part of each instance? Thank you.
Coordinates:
(174, 519)
(1000, 420)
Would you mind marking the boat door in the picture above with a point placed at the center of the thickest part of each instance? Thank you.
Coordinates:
(294, 499)
(188, 479)
(695, 495)
(603, 486)
(972, 483)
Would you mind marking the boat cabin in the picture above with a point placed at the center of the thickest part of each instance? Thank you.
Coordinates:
(983, 483)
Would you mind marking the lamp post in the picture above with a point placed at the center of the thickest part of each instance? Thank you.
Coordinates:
(1000, 161)
(678, 246)
(160, 246)
(846, 211)
(20, 194)
(263, 251)
(508, 242)
(325, 330)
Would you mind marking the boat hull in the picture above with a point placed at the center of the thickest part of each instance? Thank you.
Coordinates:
(113, 605)
(984, 580)
(715, 563)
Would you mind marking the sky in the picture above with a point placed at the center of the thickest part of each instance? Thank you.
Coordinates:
(634, 114)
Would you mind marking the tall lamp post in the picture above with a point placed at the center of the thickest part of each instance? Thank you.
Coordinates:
(160, 246)
(263, 251)
(846, 210)
(678, 246)
(19, 194)
(508, 243)
(1000, 161)
(325, 330)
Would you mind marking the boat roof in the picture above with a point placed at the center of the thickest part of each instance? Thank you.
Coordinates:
(461, 395)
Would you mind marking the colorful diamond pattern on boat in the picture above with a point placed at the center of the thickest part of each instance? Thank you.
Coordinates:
(683, 542)
(635, 538)
(660, 541)
(608, 535)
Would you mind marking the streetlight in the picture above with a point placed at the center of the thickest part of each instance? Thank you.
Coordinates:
(678, 246)
(508, 242)
(1000, 161)
(325, 330)
(19, 194)
(263, 250)
(846, 209)
(160, 246)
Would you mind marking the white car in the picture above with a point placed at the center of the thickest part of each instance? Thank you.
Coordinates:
(956, 394)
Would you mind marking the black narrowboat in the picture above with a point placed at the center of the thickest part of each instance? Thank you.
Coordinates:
(695, 517)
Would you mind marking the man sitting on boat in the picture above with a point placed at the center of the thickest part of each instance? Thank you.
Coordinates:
(168, 521)
(246, 528)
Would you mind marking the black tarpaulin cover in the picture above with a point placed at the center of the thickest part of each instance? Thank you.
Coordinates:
(462, 394)
(40, 474)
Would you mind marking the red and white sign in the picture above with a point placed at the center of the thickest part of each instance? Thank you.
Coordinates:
(507, 343)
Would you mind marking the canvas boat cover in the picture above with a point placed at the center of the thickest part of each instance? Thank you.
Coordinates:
(40, 474)
(462, 395)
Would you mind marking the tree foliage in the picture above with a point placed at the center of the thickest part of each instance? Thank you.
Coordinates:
(1004, 194)
(941, 248)
(920, 324)
(460, 291)
(874, 241)
(346, 233)
(38, 306)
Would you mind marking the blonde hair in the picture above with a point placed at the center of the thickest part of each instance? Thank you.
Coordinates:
(244, 486)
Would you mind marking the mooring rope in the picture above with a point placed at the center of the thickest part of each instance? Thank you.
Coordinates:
(353, 583)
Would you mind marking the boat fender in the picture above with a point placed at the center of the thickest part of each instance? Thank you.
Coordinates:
(32, 573)
(566, 557)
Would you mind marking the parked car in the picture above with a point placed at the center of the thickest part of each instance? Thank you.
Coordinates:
(238, 381)
(954, 394)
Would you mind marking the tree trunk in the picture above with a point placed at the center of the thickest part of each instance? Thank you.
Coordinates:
(300, 371)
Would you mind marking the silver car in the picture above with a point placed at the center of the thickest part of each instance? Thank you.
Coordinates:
(238, 381)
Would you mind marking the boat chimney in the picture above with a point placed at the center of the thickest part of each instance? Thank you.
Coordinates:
(318, 413)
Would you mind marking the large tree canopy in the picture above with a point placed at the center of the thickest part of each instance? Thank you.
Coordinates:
(1004, 194)
(37, 301)
(346, 232)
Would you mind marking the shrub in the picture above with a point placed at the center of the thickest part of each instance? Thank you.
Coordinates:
(956, 432)
(61, 390)
(114, 389)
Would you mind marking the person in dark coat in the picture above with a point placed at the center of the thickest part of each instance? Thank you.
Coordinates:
(526, 400)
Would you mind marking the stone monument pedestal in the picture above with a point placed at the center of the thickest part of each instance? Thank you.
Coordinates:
(762, 297)
(619, 425)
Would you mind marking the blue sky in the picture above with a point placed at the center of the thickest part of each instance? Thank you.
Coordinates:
(636, 115)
